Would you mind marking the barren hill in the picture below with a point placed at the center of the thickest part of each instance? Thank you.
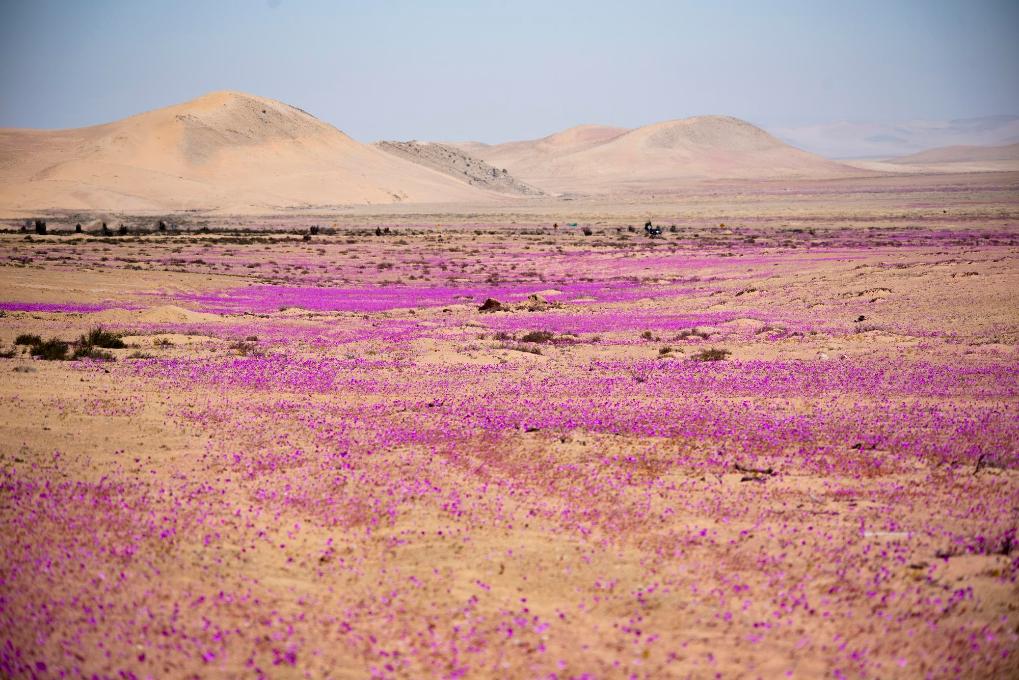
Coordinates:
(224, 151)
(457, 163)
(535, 151)
(599, 159)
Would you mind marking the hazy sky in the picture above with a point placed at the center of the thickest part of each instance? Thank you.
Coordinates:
(516, 69)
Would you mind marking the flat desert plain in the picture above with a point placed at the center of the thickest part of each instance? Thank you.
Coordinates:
(782, 440)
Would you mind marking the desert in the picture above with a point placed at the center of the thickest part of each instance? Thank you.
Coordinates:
(651, 397)
(782, 445)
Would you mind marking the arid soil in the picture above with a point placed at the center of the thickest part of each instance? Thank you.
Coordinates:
(781, 440)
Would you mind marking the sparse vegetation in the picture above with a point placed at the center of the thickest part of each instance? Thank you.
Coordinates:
(713, 354)
(517, 347)
(98, 337)
(88, 346)
(244, 348)
(691, 333)
(51, 350)
(92, 345)
(538, 337)
(92, 352)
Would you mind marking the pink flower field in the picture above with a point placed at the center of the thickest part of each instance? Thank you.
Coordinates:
(783, 447)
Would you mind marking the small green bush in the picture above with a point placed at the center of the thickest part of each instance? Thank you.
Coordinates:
(538, 336)
(90, 352)
(51, 350)
(691, 333)
(713, 354)
(27, 339)
(97, 337)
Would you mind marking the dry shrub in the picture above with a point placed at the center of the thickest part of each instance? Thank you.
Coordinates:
(713, 354)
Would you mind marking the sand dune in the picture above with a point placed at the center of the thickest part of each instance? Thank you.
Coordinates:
(537, 151)
(224, 151)
(599, 159)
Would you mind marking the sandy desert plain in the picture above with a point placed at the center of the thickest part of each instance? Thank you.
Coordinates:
(782, 440)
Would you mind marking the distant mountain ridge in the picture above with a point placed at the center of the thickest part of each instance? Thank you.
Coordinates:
(962, 154)
(886, 140)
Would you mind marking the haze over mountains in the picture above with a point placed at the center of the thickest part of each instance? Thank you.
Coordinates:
(886, 140)
(948, 159)
(962, 154)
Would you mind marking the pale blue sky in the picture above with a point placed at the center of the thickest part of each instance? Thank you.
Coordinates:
(512, 69)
